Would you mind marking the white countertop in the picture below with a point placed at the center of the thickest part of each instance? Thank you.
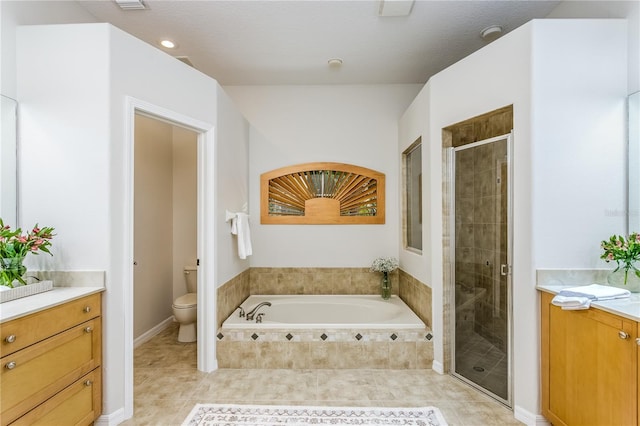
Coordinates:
(31, 304)
(628, 307)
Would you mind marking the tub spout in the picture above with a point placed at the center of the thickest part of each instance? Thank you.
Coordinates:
(252, 312)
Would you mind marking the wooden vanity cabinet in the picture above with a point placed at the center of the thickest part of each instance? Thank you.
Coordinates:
(51, 361)
(590, 364)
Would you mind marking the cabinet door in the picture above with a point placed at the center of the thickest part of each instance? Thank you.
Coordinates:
(32, 375)
(79, 404)
(591, 367)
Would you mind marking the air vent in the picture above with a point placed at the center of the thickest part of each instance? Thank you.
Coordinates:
(395, 7)
(131, 4)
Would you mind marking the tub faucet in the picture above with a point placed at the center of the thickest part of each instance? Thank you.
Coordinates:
(252, 312)
(241, 313)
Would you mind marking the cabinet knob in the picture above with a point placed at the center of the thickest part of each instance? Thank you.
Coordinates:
(623, 335)
(10, 365)
(88, 383)
(638, 341)
(88, 329)
(10, 338)
(86, 309)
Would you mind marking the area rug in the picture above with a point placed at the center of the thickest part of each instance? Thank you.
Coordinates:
(263, 415)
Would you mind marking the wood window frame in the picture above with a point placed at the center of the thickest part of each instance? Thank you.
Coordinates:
(323, 210)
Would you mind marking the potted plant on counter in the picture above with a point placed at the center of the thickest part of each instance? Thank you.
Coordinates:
(15, 246)
(626, 253)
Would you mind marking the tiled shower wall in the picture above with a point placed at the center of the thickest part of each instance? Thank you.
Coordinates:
(321, 281)
(481, 206)
(472, 272)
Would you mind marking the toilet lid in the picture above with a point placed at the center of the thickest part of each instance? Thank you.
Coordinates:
(187, 301)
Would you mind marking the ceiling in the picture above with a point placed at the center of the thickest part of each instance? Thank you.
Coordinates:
(269, 42)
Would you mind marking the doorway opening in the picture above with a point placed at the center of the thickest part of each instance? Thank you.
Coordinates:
(206, 295)
(165, 221)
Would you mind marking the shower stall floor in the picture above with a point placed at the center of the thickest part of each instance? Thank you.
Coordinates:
(480, 361)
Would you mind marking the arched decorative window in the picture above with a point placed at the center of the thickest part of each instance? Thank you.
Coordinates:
(322, 193)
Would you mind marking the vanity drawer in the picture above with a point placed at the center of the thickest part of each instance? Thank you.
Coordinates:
(25, 331)
(78, 404)
(34, 374)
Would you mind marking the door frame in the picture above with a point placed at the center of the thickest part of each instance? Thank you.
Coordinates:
(206, 299)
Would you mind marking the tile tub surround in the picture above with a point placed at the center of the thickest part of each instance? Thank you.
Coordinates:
(320, 281)
(230, 295)
(417, 295)
(371, 351)
(317, 349)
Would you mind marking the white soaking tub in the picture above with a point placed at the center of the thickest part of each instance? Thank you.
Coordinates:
(325, 331)
(325, 312)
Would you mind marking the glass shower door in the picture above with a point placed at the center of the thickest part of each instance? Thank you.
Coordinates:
(481, 266)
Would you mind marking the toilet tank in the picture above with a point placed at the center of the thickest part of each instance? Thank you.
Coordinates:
(191, 277)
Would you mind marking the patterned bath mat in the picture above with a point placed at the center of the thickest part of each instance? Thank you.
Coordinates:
(264, 415)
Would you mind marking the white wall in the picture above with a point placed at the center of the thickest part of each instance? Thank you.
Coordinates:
(629, 10)
(493, 77)
(579, 118)
(413, 124)
(14, 13)
(73, 86)
(300, 124)
(567, 84)
(233, 184)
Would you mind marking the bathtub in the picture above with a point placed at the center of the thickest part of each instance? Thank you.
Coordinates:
(327, 311)
(325, 332)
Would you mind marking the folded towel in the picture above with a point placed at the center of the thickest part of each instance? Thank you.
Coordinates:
(596, 292)
(571, 302)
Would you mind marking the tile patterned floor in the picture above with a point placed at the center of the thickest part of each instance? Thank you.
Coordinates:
(167, 386)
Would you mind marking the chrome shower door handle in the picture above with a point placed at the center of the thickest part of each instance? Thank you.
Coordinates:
(505, 269)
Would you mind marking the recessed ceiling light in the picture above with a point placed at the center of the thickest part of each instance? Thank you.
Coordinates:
(491, 33)
(334, 62)
(167, 43)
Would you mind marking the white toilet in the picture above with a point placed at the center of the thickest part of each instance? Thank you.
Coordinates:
(185, 308)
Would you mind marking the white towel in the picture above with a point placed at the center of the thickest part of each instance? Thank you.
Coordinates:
(240, 227)
(571, 303)
(596, 292)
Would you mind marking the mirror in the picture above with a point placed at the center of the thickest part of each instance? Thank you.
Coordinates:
(8, 161)
(634, 162)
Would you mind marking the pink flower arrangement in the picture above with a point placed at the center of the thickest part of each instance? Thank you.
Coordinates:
(14, 246)
(624, 251)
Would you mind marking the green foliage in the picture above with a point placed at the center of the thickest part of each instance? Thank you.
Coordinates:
(14, 246)
(624, 251)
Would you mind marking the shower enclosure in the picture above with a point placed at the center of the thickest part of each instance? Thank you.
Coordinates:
(481, 275)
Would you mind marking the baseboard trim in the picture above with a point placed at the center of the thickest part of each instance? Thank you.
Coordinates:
(148, 335)
(437, 367)
(112, 419)
(529, 418)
